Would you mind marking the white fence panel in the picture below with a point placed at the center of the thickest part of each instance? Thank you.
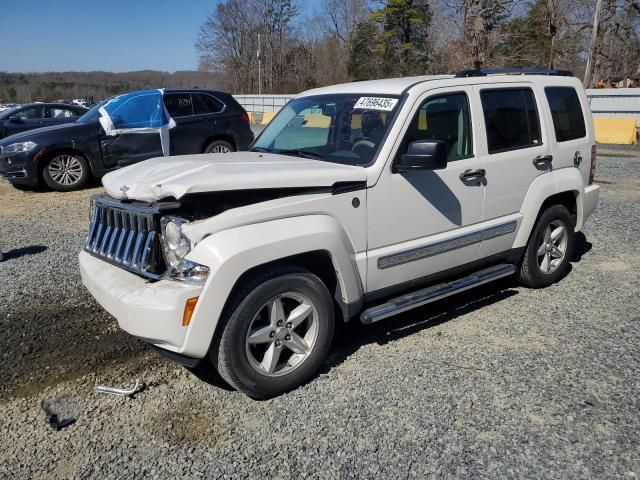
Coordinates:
(263, 103)
(615, 102)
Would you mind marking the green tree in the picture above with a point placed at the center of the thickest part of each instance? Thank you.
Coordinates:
(363, 60)
(405, 42)
(527, 41)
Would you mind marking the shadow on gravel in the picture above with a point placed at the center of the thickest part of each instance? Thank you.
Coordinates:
(22, 251)
(353, 335)
(582, 246)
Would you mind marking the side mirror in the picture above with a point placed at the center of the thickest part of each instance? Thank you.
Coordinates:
(15, 119)
(423, 155)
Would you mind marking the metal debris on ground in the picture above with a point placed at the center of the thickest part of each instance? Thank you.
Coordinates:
(122, 392)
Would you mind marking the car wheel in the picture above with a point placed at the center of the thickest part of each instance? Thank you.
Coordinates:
(550, 248)
(276, 333)
(65, 172)
(219, 146)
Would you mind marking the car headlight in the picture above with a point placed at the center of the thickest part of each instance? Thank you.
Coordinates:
(188, 271)
(175, 243)
(19, 147)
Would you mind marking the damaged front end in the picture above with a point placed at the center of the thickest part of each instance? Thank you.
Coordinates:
(147, 238)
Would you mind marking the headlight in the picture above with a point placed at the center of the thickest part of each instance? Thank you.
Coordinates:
(19, 147)
(188, 271)
(175, 244)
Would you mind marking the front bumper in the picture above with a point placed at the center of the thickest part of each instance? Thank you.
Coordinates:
(20, 168)
(151, 311)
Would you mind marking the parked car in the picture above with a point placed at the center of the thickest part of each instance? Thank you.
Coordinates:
(37, 115)
(7, 106)
(358, 201)
(64, 157)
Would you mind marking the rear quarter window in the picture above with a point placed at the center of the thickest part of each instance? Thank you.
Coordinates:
(511, 119)
(568, 119)
(179, 104)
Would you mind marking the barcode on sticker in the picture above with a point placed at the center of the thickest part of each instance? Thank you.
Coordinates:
(376, 103)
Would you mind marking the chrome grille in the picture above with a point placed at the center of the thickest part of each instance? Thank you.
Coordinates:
(127, 235)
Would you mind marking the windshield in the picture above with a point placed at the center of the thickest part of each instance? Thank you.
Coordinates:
(92, 115)
(346, 128)
(7, 113)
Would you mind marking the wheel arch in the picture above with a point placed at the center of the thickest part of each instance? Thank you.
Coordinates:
(564, 187)
(318, 262)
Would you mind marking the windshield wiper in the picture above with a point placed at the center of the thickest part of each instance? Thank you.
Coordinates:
(301, 152)
(260, 149)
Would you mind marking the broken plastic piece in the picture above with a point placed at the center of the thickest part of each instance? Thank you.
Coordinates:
(122, 392)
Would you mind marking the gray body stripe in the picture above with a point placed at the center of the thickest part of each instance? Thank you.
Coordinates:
(446, 246)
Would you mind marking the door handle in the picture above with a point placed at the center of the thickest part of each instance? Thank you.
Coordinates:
(473, 174)
(542, 160)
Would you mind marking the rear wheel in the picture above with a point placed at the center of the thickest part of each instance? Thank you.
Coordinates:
(219, 146)
(276, 334)
(65, 172)
(550, 248)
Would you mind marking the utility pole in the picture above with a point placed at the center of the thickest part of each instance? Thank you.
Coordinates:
(588, 71)
(259, 68)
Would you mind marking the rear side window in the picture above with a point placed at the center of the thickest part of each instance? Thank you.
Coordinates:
(203, 103)
(179, 104)
(60, 112)
(568, 121)
(511, 119)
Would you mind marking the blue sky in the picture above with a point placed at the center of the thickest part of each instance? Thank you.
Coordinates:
(113, 35)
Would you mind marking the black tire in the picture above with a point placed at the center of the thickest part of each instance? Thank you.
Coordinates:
(229, 350)
(219, 144)
(77, 160)
(531, 273)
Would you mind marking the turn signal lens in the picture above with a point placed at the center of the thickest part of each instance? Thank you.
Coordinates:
(189, 307)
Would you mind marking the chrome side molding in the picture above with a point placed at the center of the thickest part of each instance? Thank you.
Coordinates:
(461, 241)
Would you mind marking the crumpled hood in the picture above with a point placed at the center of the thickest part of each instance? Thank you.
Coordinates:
(163, 177)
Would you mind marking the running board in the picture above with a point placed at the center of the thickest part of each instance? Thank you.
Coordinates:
(436, 292)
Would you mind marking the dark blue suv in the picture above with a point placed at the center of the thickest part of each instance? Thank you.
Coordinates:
(65, 157)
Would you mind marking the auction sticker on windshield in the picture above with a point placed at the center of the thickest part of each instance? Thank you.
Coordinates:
(376, 103)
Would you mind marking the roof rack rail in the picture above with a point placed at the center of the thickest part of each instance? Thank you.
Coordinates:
(513, 71)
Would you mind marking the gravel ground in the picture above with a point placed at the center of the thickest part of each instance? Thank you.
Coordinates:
(500, 382)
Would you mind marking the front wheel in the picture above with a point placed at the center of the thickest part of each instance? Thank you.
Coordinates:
(550, 248)
(65, 172)
(276, 334)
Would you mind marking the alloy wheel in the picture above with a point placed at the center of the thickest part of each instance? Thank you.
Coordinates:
(65, 170)
(220, 149)
(552, 247)
(282, 334)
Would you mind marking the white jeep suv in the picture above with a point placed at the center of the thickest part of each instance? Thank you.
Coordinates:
(358, 201)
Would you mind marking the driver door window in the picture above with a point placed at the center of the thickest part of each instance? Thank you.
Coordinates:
(443, 117)
(32, 113)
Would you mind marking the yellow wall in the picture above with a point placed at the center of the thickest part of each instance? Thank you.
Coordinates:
(621, 131)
